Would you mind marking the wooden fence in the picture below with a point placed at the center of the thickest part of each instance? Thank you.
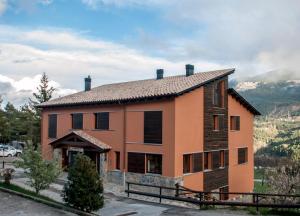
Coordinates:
(203, 198)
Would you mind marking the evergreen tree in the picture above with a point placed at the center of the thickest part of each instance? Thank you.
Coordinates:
(3, 124)
(84, 189)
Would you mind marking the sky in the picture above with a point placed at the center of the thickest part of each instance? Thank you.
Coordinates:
(123, 40)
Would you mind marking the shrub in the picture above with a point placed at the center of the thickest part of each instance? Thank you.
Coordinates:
(84, 189)
(41, 173)
(7, 174)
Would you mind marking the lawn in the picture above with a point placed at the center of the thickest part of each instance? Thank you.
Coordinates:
(258, 173)
(259, 188)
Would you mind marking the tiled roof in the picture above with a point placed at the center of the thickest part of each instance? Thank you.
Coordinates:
(136, 90)
(83, 135)
(243, 101)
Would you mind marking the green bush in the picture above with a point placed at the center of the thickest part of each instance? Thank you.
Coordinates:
(84, 189)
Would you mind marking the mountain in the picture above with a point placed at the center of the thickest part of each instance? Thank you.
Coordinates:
(275, 93)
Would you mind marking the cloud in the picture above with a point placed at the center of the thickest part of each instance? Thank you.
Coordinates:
(19, 91)
(26, 53)
(3, 5)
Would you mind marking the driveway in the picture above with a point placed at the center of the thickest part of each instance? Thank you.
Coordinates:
(12, 205)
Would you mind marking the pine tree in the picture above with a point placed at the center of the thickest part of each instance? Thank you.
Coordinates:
(84, 189)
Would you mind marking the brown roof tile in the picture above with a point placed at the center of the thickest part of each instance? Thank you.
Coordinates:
(135, 90)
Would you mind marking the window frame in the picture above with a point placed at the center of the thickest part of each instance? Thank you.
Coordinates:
(49, 126)
(218, 96)
(187, 170)
(98, 121)
(73, 122)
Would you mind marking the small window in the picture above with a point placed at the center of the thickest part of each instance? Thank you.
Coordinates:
(222, 158)
(187, 163)
(77, 121)
(207, 161)
(117, 160)
(52, 126)
(235, 123)
(197, 162)
(153, 127)
(136, 162)
(218, 94)
(217, 122)
(102, 121)
(154, 163)
(242, 155)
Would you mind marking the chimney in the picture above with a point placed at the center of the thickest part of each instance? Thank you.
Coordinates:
(87, 83)
(159, 74)
(189, 70)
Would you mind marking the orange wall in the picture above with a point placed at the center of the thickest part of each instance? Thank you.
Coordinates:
(240, 175)
(115, 136)
(189, 131)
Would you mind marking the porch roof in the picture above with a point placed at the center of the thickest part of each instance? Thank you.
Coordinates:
(79, 138)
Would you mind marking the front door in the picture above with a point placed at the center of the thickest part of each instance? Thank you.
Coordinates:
(71, 156)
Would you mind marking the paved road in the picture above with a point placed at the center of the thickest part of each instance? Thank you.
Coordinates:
(12, 205)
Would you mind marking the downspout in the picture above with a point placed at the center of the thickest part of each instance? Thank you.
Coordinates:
(124, 145)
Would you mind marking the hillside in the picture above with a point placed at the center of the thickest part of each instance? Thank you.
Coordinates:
(276, 95)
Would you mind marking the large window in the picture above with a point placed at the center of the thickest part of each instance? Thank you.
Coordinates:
(77, 120)
(102, 121)
(52, 126)
(242, 155)
(234, 123)
(136, 162)
(222, 158)
(192, 163)
(117, 160)
(218, 94)
(153, 127)
(154, 163)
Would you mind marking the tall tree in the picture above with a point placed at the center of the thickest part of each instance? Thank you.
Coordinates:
(44, 93)
(3, 124)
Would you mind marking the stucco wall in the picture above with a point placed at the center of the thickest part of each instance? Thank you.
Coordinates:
(240, 175)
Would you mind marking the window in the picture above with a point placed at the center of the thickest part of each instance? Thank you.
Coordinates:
(153, 127)
(52, 126)
(102, 121)
(207, 161)
(77, 121)
(136, 162)
(217, 122)
(154, 163)
(218, 94)
(215, 160)
(222, 158)
(192, 163)
(234, 123)
(187, 163)
(117, 160)
(226, 158)
(242, 155)
(197, 162)
(224, 190)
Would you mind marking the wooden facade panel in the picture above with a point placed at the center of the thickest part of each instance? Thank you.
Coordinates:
(215, 179)
(216, 140)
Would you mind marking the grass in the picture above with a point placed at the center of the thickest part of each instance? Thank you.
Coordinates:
(25, 191)
(259, 188)
(258, 173)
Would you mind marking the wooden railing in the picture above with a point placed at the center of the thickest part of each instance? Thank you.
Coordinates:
(205, 198)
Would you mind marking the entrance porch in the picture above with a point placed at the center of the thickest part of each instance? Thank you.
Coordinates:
(79, 142)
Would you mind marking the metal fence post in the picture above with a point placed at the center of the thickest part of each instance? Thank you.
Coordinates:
(3, 164)
(159, 194)
(257, 202)
(200, 200)
(127, 189)
(177, 190)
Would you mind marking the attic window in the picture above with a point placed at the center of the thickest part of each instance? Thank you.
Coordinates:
(218, 94)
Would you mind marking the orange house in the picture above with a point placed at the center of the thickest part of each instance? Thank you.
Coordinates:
(189, 129)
